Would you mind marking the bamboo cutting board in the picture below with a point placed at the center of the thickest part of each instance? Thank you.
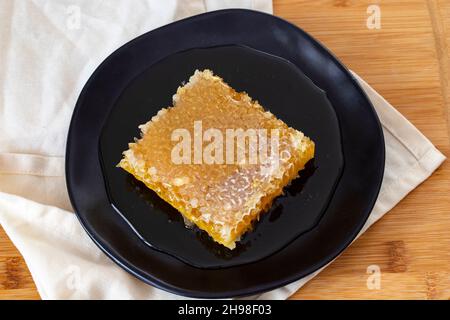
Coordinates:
(407, 60)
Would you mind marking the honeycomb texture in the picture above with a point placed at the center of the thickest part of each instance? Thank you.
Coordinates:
(221, 198)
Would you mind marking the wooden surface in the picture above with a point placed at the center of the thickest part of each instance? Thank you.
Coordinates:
(407, 61)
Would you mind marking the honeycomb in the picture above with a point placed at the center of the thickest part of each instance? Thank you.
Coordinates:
(225, 195)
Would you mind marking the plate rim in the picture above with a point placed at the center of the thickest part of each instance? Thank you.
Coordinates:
(154, 281)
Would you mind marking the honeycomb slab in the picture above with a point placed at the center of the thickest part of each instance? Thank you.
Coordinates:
(220, 193)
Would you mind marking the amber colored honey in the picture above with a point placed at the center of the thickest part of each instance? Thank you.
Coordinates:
(222, 199)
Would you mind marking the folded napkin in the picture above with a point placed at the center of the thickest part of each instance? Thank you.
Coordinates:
(46, 56)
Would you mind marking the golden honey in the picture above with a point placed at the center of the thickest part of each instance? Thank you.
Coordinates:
(223, 196)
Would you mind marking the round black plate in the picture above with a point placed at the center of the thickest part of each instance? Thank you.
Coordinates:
(347, 211)
(280, 87)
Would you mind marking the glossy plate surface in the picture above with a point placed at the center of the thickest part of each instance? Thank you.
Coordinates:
(353, 198)
(281, 88)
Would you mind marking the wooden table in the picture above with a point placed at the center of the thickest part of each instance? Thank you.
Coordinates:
(408, 62)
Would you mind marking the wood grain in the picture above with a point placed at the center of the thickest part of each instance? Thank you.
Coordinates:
(15, 279)
(408, 62)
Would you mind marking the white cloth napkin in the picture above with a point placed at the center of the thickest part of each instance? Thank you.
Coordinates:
(48, 51)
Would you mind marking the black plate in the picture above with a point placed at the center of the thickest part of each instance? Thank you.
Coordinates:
(279, 86)
(347, 211)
